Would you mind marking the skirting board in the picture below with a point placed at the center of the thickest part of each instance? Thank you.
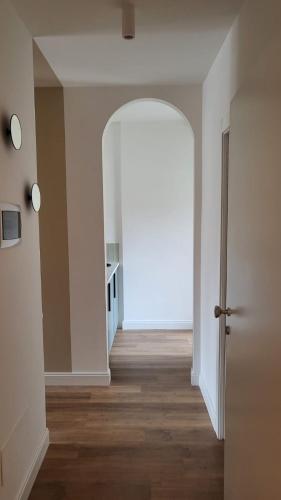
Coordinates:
(157, 325)
(210, 407)
(34, 469)
(78, 378)
(194, 378)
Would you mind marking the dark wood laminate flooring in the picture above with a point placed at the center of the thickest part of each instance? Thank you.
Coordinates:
(146, 437)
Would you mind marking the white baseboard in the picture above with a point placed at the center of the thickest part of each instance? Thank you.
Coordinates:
(194, 378)
(209, 403)
(78, 378)
(34, 469)
(157, 325)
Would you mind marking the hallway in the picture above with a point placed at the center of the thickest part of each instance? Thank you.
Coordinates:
(147, 436)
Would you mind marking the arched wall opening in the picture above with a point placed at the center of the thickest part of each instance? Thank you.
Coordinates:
(148, 188)
(87, 113)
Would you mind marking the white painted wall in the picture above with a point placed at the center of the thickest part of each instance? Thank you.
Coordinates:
(23, 433)
(217, 93)
(157, 221)
(87, 111)
(240, 50)
(112, 183)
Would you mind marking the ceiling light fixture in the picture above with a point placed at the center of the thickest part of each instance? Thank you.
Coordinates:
(128, 21)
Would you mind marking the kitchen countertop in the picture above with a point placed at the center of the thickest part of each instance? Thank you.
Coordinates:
(111, 270)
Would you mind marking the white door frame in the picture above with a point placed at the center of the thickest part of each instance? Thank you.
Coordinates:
(223, 282)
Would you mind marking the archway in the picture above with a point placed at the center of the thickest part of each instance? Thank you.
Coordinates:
(148, 180)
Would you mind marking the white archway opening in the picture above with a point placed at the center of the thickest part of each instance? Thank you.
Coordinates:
(148, 185)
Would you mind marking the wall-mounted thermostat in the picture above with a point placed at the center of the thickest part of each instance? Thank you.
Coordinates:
(10, 225)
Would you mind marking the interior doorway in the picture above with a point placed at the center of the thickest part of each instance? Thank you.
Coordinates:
(223, 328)
(148, 184)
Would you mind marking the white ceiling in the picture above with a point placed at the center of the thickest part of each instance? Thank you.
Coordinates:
(147, 110)
(176, 40)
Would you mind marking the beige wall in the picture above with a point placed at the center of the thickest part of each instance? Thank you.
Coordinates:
(50, 138)
(22, 398)
(87, 111)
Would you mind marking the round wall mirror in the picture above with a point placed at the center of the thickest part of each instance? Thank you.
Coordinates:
(15, 131)
(35, 197)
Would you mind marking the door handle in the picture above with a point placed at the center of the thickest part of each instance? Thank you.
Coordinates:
(218, 311)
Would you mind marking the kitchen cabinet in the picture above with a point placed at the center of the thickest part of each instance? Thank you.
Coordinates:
(115, 301)
(110, 323)
(112, 306)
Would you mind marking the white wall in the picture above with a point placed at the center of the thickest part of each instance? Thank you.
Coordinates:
(217, 93)
(240, 50)
(23, 434)
(157, 221)
(112, 183)
(87, 111)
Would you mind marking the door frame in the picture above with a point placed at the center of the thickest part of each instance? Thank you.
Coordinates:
(223, 281)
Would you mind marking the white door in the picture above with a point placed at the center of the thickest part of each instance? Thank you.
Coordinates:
(253, 351)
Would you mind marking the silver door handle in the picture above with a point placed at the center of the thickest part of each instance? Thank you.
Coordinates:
(218, 311)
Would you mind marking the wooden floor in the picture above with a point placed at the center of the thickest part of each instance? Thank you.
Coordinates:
(146, 437)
